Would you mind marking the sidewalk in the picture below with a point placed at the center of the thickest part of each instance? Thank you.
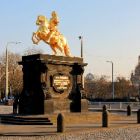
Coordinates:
(79, 126)
(74, 122)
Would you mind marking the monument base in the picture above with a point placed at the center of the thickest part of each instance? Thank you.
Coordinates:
(51, 84)
(56, 106)
(84, 105)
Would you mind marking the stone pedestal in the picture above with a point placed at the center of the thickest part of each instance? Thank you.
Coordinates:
(84, 105)
(51, 84)
(56, 106)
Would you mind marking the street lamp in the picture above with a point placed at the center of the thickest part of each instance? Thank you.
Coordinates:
(6, 68)
(81, 38)
(112, 80)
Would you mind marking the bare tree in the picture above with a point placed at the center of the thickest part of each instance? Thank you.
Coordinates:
(33, 50)
(101, 88)
(124, 88)
(14, 72)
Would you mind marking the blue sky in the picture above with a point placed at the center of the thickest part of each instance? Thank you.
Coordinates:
(110, 28)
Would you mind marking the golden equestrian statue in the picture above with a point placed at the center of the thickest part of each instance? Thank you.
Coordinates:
(49, 33)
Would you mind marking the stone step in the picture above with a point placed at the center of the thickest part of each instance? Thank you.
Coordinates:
(24, 120)
(26, 123)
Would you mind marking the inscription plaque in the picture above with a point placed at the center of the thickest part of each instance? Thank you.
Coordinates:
(61, 82)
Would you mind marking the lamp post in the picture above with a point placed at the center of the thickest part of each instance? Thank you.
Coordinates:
(81, 38)
(6, 69)
(112, 80)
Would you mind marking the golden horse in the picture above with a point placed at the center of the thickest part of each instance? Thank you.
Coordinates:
(48, 33)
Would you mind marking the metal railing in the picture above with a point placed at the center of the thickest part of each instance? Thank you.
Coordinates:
(114, 105)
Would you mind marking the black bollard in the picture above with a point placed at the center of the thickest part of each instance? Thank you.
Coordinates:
(104, 107)
(104, 117)
(14, 107)
(60, 123)
(138, 116)
(129, 110)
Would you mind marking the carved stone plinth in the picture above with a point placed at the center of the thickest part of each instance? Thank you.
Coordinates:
(56, 106)
(84, 105)
(51, 84)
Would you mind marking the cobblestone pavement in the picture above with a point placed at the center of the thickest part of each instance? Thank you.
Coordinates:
(120, 128)
(124, 133)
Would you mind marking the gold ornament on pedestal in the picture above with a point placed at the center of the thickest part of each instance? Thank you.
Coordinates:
(49, 33)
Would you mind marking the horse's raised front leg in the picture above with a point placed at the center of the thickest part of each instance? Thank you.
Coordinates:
(35, 39)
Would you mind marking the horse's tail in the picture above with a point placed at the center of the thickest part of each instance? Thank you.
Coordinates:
(67, 50)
